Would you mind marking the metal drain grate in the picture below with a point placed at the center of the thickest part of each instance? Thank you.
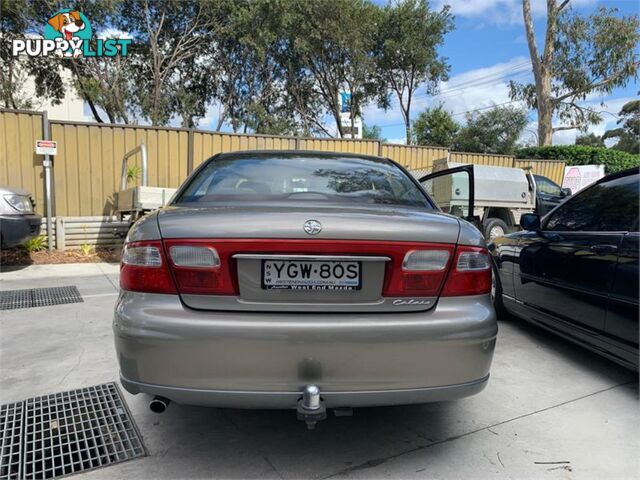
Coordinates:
(69, 432)
(39, 297)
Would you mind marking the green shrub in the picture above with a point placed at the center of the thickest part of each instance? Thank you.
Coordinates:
(613, 160)
(86, 249)
(35, 244)
(133, 173)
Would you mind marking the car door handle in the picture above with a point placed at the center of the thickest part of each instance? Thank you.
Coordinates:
(603, 248)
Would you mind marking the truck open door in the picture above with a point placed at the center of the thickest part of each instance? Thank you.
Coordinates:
(453, 190)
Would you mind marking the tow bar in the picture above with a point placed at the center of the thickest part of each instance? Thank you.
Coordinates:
(311, 408)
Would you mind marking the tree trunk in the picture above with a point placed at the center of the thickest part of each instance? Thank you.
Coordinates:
(406, 113)
(407, 127)
(545, 109)
(94, 111)
(336, 116)
(542, 67)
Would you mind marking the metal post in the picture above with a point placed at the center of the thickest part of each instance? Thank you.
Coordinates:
(47, 181)
(190, 152)
(145, 169)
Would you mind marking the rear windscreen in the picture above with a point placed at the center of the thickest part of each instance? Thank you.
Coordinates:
(301, 179)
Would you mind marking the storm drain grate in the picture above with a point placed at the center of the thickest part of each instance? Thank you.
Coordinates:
(39, 297)
(64, 433)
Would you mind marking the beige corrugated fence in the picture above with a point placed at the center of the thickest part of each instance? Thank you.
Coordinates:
(86, 172)
(19, 165)
(553, 169)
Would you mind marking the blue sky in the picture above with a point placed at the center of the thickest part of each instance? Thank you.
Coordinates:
(486, 50)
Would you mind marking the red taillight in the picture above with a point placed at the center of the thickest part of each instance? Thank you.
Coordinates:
(470, 273)
(207, 266)
(419, 272)
(422, 275)
(144, 268)
(200, 268)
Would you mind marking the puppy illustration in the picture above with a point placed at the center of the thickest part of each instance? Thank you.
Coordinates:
(68, 24)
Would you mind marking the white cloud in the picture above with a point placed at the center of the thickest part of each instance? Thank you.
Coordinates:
(398, 141)
(470, 90)
(113, 33)
(500, 11)
(210, 119)
(609, 109)
(484, 87)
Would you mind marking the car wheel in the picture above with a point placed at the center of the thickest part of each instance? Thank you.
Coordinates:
(494, 228)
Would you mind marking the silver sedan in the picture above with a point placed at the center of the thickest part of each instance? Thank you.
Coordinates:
(303, 280)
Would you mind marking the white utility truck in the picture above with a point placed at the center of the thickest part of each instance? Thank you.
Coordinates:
(501, 195)
(136, 201)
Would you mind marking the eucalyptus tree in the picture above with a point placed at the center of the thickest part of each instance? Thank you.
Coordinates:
(581, 55)
(331, 50)
(409, 36)
(168, 35)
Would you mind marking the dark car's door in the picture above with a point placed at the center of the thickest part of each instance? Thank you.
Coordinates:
(548, 194)
(623, 314)
(567, 268)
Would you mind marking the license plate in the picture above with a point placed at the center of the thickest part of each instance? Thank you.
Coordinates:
(310, 275)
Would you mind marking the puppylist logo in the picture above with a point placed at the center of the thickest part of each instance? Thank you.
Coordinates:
(68, 34)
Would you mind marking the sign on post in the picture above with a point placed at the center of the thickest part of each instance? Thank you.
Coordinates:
(46, 147)
(349, 130)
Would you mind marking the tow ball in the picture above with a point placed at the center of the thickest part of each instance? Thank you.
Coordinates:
(311, 408)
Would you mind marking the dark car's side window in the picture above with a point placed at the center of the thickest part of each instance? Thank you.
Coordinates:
(545, 185)
(605, 207)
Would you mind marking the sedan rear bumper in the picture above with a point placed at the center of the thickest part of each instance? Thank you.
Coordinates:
(258, 399)
(264, 360)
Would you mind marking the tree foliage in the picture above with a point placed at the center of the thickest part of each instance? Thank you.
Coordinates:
(436, 127)
(590, 140)
(628, 134)
(492, 131)
(613, 160)
(17, 21)
(270, 66)
(373, 132)
(330, 43)
(277, 66)
(408, 39)
(581, 55)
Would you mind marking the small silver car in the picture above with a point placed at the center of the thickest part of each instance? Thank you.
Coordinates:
(303, 280)
(18, 222)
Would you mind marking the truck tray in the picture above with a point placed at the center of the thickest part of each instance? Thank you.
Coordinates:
(137, 199)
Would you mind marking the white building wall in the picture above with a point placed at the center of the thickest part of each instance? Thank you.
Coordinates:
(71, 108)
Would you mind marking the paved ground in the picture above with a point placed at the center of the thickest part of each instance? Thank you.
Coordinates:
(551, 410)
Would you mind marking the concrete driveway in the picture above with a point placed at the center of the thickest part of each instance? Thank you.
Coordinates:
(551, 410)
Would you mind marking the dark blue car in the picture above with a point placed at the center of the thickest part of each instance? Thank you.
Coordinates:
(575, 271)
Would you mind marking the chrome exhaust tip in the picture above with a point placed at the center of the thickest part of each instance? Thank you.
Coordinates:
(159, 404)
